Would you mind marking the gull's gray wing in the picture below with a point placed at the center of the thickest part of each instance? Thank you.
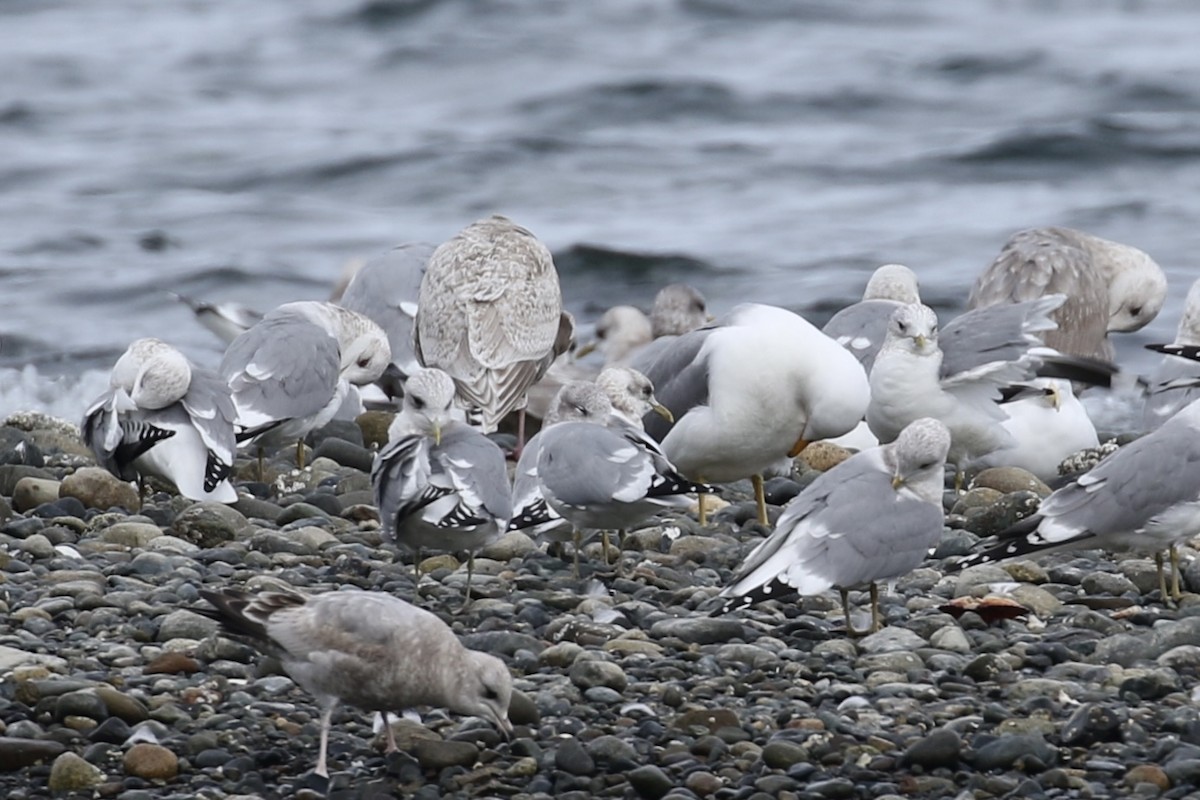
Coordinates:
(861, 328)
(210, 406)
(283, 368)
(679, 374)
(1173, 384)
(1042, 261)
(474, 466)
(386, 290)
(529, 506)
(996, 333)
(581, 465)
(400, 479)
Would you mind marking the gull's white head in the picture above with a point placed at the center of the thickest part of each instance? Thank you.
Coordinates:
(152, 373)
(919, 458)
(893, 282)
(913, 328)
(579, 401)
(1137, 287)
(428, 405)
(631, 393)
(618, 331)
(678, 308)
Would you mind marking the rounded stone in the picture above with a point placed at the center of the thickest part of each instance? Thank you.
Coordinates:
(98, 488)
(70, 773)
(151, 762)
(941, 748)
(437, 755)
(29, 493)
(1010, 479)
(591, 673)
(131, 534)
(573, 758)
(208, 524)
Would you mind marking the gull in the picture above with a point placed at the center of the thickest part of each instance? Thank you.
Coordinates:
(226, 320)
(1144, 497)
(291, 372)
(619, 333)
(749, 391)
(162, 416)
(1110, 287)
(1047, 423)
(367, 649)
(678, 308)
(490, 315)
(860, 327)
(439, 484)
(1175, 382)
(871, 518)
(385, 289)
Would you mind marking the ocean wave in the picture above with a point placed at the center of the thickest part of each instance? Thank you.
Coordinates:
(666, 267)
(1106, 139)
(63, 396)
(976, 66)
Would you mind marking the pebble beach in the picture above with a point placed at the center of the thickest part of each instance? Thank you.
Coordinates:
(1065, 678)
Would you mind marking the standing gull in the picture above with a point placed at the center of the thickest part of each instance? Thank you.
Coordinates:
(368, 649)
(490, 315)
(385, 289)
(749, 391)
(1110, 287)
(439, 484)
(1175, 382)
(164, 417)
(1144, 497)
(860, 327)
(291, 372)
(871, 518)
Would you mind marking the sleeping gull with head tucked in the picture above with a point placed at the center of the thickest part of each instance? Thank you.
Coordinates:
(749, 391)
(367, 649)
(871, 518)
(1144, 497)
(439, 484)
(291, 373)
(1175, 382)
(162, 416)
(1110, 287)
(490, 315)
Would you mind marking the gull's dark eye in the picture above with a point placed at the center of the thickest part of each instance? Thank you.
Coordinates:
(581, 410)
(901, 326)
(1135, 311)
(933, 330)
(698, 305)
(364, 361)
(417, 402)
(926, 465)
(490, 694)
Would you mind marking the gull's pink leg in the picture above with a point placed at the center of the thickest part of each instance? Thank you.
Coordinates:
(391, 736)
(326, 717)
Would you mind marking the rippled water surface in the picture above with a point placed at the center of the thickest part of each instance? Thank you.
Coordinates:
(773, 151)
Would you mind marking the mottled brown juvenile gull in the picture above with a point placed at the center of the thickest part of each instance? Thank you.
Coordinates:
(385, 289)
(871, 518)
(367, 649)
(1175, 382)
(750, 391)
(439, 484)
(1144, 497)
(291, 372)
(490, 315)
(165, 417)
(1110, 287)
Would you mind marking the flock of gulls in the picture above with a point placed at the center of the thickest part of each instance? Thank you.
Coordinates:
(462, 335)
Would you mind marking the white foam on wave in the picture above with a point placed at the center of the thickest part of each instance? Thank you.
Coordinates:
(63, 396)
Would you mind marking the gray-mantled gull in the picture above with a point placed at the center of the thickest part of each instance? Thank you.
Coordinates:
(163, 416)
(367, 649)
(1047, 424)
(386, 290)
(439, 484)
(906, 384)
(1175, 382)
(750, 391)
(619, 332)
(617, 400)
(871, 518)
(227, 320)
(1110, 287)
(291, 372)
(860, 327)
(1144, 497)
(490, 315)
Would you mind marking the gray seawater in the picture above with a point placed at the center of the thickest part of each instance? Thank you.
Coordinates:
(767, 150)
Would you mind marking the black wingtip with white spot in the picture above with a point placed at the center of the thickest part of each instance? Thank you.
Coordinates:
(215, 471)
(672, 483)
(1188, 351)
(1079, 369)
(774, 589)
(535, 514)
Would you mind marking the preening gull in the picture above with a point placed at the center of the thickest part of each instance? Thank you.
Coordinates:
(871, 518)
(226, 320)
(750, 391)
(1144, 497)
(490, 315)
(1110, 287)
(385, 289)
(291, 372)
(439, 484)
(1175, 382)
(367, 649)
(162, 416)
(1047, 424)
